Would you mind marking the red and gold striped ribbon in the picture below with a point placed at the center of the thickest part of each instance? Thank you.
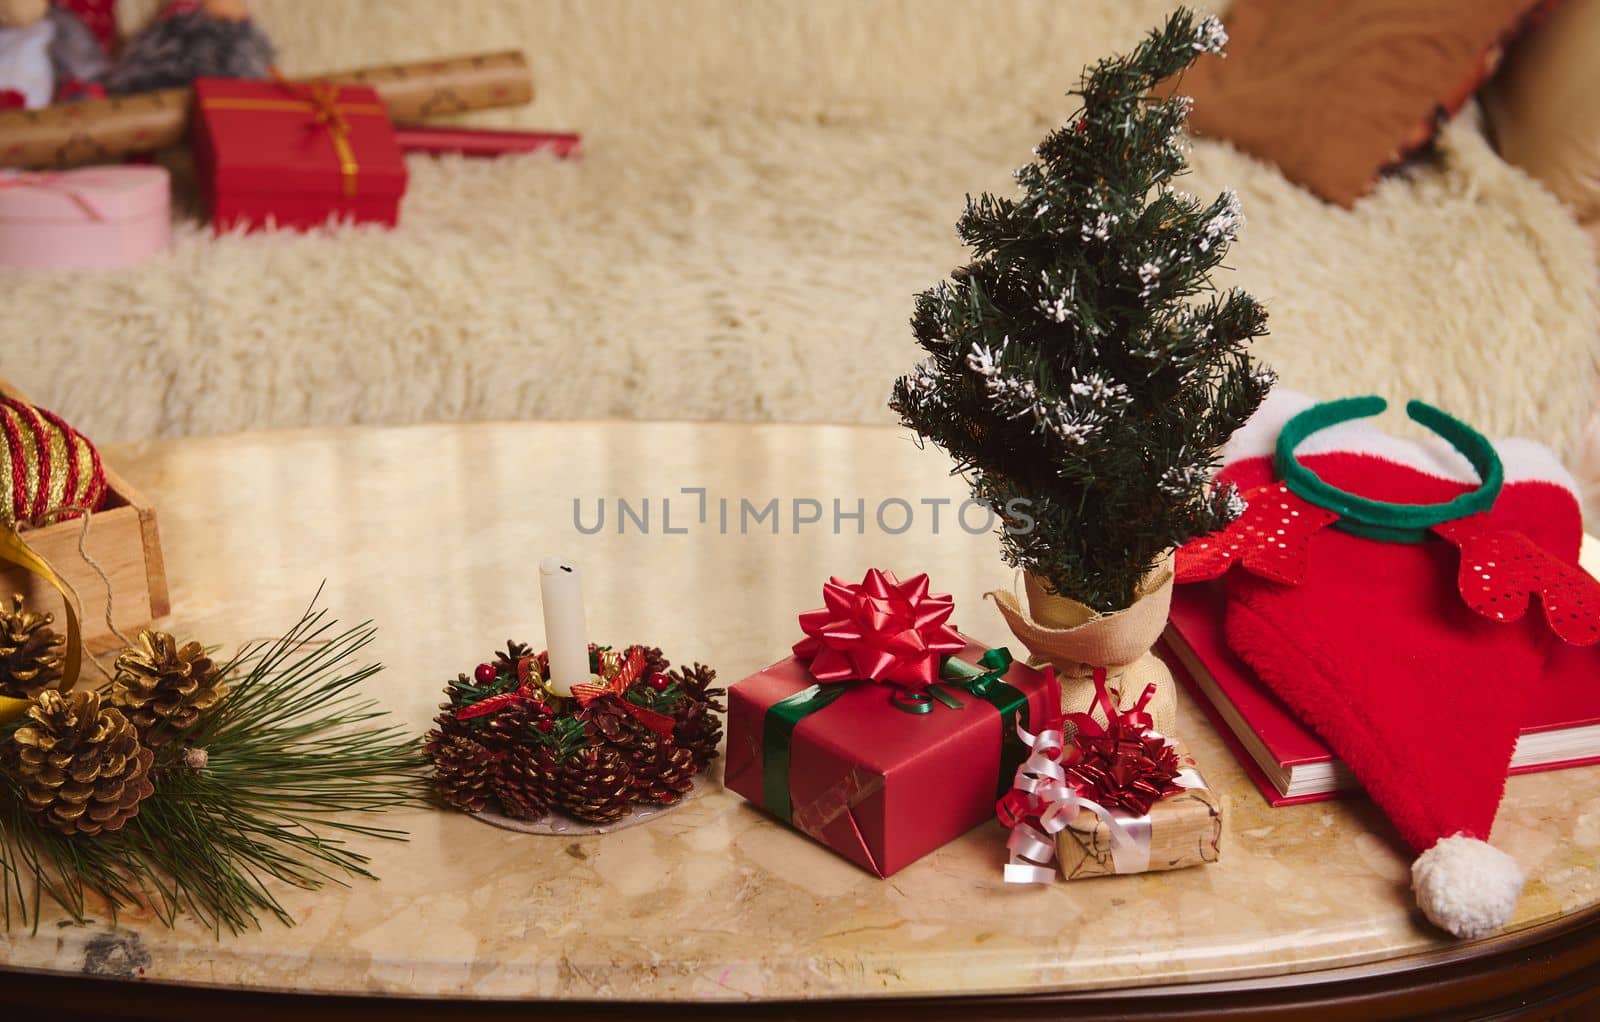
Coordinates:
(53, 473)
(52, 469)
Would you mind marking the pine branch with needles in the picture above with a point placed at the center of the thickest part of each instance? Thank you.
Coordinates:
(265, 791)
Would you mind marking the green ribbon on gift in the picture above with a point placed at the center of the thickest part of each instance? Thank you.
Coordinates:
(984, 680)
(777, 741)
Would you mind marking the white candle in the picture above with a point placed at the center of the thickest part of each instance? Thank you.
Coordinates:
(561, 590)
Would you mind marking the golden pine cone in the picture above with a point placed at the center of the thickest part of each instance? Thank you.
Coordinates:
(510, 728)
(81, 767)
(30, 652)
(595, 785)
(525, 784)
(663, 776)
(160, 683)
(463, 771)
(697, 726)
(607, 720)
(505, 660)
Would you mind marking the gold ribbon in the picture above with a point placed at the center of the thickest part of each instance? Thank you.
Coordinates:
(15, 551)
(321, 100)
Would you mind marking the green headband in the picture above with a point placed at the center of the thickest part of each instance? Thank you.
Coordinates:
(1375, 519)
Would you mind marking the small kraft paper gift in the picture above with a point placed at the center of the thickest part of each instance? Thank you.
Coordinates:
(888, 733)
(1113, 798)
(287, 154)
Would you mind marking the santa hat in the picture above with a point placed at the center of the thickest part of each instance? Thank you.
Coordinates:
(1382, 591)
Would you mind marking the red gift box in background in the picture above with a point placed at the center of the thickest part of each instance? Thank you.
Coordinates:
(879, 785)
(295, 155)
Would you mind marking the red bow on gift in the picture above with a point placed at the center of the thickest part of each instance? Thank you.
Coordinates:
(882, 630)
(1124, 764)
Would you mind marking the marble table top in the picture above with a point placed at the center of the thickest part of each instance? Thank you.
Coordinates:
(435, 533)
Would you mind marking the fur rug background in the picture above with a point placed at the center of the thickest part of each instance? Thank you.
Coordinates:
(766, 186)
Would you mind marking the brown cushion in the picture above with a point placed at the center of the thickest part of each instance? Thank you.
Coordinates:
(1333, 91)
(1545, 106)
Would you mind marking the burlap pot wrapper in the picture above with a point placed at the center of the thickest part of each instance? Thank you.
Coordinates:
(1075, 639)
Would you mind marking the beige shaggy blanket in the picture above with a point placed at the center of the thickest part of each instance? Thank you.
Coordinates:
(765, 187)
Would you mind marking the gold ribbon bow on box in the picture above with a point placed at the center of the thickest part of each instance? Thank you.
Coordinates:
(321, 100)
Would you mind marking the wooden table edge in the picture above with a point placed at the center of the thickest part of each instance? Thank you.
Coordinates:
(1529, 974)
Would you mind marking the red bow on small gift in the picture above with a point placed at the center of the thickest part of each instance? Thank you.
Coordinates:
(1124, 764)
(882, 630)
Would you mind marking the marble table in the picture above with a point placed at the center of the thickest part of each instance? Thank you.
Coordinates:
(434, 532)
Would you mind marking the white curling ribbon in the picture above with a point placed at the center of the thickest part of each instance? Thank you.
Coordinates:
(1043, 777)
(1033, 849)
(1028, 848)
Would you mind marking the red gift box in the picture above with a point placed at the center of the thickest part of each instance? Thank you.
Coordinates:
(295, 155)
(868, 777)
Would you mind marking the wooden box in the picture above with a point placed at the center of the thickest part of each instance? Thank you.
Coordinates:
(1182, 830)
(123, 539)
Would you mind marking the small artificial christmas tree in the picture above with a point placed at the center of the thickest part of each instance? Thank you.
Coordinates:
(1079, 373)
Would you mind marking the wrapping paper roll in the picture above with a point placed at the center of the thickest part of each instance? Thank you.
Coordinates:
(98, 131)
(434, 88)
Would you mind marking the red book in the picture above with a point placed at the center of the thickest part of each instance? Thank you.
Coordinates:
(880, 786)
(1287, 760)
(293, 155)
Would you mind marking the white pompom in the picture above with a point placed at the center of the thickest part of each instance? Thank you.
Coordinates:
(1466, 886)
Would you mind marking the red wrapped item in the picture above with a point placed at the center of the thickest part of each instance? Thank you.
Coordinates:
(424, 138)
(295, 155)
(889, 733)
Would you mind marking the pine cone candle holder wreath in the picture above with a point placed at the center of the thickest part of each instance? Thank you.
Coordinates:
(503, 742)
(163, 688)
(30, 652)
(79, 765)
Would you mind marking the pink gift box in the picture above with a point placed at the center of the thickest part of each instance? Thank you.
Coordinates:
(90, 219)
